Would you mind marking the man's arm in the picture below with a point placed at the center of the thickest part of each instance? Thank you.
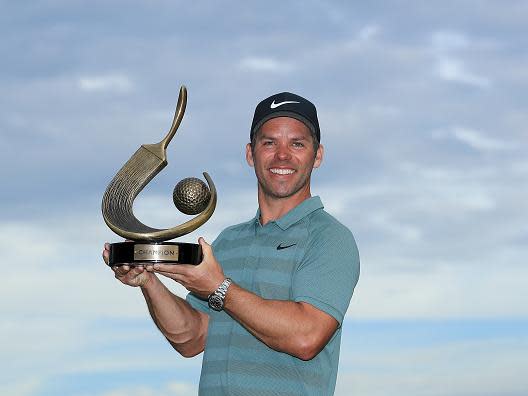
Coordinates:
(183, 326)
(296, 328)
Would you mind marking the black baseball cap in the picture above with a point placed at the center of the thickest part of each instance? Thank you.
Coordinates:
(286, 104)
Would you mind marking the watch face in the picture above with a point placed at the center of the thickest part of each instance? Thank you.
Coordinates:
(216, 302)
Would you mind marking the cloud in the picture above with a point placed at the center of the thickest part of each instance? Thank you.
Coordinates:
(479, 141)
(424, 238)
(28, 387)
(492, 367)
(447, 48)
(475, 139)
(169, 389)
(406, 232)
(109, 82)
(520, 167)
(263, 64)
(454, 70)
(444, 41)
(368, 32)
(433, 289)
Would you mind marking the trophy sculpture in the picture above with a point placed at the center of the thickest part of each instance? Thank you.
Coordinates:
(191, 196)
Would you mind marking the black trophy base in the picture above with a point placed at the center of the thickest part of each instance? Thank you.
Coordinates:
(141, 252)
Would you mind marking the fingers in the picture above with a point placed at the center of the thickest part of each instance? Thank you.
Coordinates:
(149, 267)
(203, 243)
(181, 273)
(207, 250)
(106, 253)
(121, 270)
(125, 270)
(127, 274)
(182, 269)
(177, 277)
(106, 256)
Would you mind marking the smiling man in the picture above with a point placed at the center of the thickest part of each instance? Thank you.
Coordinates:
(267, 302)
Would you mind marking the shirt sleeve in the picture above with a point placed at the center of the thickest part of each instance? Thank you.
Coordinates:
(328, 273)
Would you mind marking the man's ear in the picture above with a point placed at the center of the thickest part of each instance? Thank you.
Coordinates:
(319, 156)
(249, 155)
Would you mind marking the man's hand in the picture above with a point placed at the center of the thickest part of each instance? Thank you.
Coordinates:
(129, 275)
(202, 279)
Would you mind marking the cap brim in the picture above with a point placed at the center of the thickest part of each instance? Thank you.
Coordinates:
(290, 114)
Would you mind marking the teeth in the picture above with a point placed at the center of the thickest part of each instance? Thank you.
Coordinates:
(282, 171)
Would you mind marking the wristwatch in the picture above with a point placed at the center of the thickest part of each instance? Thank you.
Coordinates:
(216, 298)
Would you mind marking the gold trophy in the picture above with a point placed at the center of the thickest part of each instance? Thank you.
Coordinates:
(191, 196)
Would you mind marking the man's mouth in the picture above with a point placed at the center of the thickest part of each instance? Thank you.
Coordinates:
(281, 171)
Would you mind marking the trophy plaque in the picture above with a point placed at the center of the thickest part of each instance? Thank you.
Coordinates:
(191, 196)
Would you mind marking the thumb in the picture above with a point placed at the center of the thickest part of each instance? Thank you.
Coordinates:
(207, 250)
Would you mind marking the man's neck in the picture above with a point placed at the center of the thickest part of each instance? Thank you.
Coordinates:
(272, 208)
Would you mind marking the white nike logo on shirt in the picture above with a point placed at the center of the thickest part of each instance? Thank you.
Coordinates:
(275, 105)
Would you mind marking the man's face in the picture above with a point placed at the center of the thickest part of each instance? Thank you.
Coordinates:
(283, 158)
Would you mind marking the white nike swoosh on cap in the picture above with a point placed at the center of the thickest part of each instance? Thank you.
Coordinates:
(274, 105)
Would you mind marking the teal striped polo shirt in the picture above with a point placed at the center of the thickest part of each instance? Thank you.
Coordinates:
(306, 255)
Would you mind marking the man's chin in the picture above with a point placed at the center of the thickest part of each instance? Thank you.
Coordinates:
(276, 194)
(280, 193)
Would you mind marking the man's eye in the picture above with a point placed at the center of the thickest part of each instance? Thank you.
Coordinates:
(298, 144)
(267, 143)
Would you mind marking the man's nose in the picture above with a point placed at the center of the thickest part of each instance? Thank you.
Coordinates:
(283, 152)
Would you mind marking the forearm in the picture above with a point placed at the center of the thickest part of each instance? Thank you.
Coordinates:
(183, 326)
(286, 326)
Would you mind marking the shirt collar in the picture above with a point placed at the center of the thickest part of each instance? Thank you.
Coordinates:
(294, 215)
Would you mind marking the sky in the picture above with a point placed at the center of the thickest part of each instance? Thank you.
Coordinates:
(422, 108)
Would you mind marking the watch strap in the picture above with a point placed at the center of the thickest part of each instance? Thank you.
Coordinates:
(219, 295)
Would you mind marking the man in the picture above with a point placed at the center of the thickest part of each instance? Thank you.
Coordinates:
(267, 302)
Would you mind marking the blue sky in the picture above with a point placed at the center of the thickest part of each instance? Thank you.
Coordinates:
(422, 107)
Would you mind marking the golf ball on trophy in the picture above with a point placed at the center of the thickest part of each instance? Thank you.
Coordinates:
(191, 195)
